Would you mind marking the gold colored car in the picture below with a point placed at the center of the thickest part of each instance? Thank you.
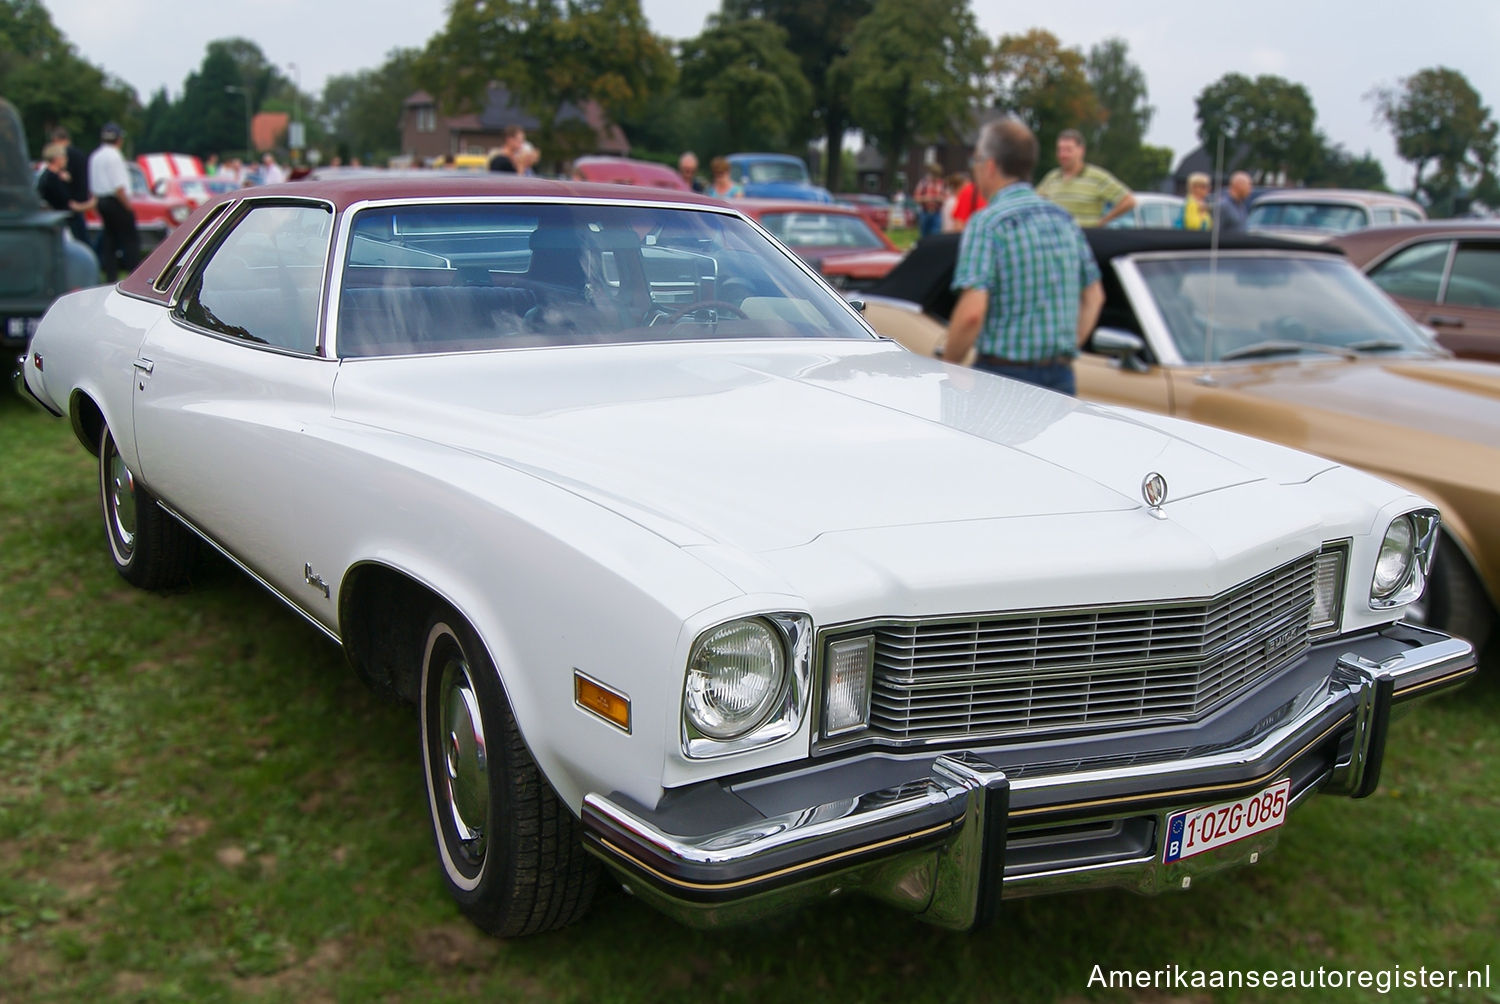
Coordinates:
(1286, 343)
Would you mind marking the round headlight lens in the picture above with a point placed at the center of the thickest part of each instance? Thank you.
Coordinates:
(735, 677)
(1397, 552)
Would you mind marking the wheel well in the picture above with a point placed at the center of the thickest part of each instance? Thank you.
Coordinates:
(88, 421)
(381, 616)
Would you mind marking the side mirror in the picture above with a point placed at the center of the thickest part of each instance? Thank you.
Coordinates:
(1126, 346)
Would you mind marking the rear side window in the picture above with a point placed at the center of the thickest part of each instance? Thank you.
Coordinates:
(1415, 272)
(263, 281)
(1475, 278)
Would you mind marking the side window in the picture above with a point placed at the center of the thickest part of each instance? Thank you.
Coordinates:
(1475, 279)
(1416, 272)
(1382, 214)
(263, 282)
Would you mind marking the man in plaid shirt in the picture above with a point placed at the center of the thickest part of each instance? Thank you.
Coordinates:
(1028, 285)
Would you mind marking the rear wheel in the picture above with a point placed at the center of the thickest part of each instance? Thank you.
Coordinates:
(150, 548)
(511, 852)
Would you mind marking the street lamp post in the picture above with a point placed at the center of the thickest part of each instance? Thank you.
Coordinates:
(295, 137)
(245, 93)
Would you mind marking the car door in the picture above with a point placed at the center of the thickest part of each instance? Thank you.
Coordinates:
(232, 391)
(1453, 287)
(1468, 318)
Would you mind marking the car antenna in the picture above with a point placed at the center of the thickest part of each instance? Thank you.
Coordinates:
(1206, 378)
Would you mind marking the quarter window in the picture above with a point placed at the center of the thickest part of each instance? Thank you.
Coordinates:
(264, 280)
(1475, 279)
(1415, 272)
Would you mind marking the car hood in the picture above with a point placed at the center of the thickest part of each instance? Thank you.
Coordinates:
(767, 445)
(797, 190)
(1451, 398)
(870, 264)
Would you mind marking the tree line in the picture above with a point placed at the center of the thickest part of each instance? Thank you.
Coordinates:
(765, 75)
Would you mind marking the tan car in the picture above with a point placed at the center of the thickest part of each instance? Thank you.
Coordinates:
(1445, 274)
(1285, 343)
(1315, 214)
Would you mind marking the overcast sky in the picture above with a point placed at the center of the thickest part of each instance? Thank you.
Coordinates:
(1337, 49)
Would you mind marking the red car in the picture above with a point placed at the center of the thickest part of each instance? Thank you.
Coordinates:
(155, 215)
(624, 171)
(838, 241)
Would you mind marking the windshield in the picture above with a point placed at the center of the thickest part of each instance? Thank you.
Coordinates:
(821, 230)
(1332, 218)
(1266, 306)
(485, 276)
(766, 171)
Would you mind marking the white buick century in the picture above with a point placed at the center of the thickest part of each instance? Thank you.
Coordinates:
(690, 573)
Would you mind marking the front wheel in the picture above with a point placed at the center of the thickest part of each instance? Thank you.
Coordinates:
(511, 852)
(150, 548)
(1455, 600)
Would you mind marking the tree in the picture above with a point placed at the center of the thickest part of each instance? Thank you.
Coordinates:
(549, 53)
(914, 69)
(1437, 118)
(1336, 167)
(819, 34)
(1270, 117)
(211, 118)
(1045, 86)
(50, 84)
(1118, 141)
(749, 80)
(361, 112)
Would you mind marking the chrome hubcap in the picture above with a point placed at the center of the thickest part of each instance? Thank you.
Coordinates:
(121, 490)
(465, 761)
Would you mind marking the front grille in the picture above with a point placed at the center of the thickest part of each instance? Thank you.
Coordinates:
(1085, 668)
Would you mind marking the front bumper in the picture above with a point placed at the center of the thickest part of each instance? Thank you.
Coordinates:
(947, 835)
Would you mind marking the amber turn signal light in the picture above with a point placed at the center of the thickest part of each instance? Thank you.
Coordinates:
(594, 697)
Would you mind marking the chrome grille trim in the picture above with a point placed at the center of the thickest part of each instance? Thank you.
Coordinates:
(1081, 668)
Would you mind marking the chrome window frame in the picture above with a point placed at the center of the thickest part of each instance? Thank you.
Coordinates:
(1406, 245)
(209, 244)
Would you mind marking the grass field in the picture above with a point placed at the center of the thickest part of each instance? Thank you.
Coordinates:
(198, 802)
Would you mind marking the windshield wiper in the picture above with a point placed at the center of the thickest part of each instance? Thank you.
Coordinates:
(1276, 348)
(1379, 345)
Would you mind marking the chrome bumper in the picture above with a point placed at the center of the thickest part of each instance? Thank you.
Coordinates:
(18, 380)
(949, 843)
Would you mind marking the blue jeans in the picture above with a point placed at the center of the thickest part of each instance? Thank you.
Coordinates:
(1053, 376)
(928, 223)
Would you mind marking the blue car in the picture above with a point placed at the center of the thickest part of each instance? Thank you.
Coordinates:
(775, 176)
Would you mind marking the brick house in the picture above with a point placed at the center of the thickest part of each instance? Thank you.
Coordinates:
(428, 134)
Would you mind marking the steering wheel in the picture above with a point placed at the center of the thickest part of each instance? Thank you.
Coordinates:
(659, 314)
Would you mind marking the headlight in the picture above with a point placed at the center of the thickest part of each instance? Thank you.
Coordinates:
(1404, 560)
(746, 684)
(1395, 560)
(178, 214)
(736, 673)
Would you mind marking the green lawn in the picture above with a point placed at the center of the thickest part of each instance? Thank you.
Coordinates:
(198, 802)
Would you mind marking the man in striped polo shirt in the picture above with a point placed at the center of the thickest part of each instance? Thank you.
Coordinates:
(1028, 285)
(1090, 193)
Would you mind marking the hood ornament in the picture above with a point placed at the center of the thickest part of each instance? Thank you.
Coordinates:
(1154, 490)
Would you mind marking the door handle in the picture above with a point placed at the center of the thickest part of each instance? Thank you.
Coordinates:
(1445, 321)
(144, 365)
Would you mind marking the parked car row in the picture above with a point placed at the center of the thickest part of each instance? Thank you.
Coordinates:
(692, 576)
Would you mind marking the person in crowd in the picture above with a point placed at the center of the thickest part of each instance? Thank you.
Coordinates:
(503, 159)
(109, 185)
(721, 185)
(1234, 202)
(55, 185)
(1090, 193)
(271, 173)
(526, 159)
(687, 166)
(1196, 214)
(966, 203)
(955, 183)
(78, 181)
(211, 165)
(1028, 286)
(929, 196)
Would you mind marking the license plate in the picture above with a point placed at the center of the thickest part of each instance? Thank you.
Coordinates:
(1194, 831)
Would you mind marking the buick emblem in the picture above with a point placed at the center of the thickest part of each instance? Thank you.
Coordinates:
(1154, 490)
